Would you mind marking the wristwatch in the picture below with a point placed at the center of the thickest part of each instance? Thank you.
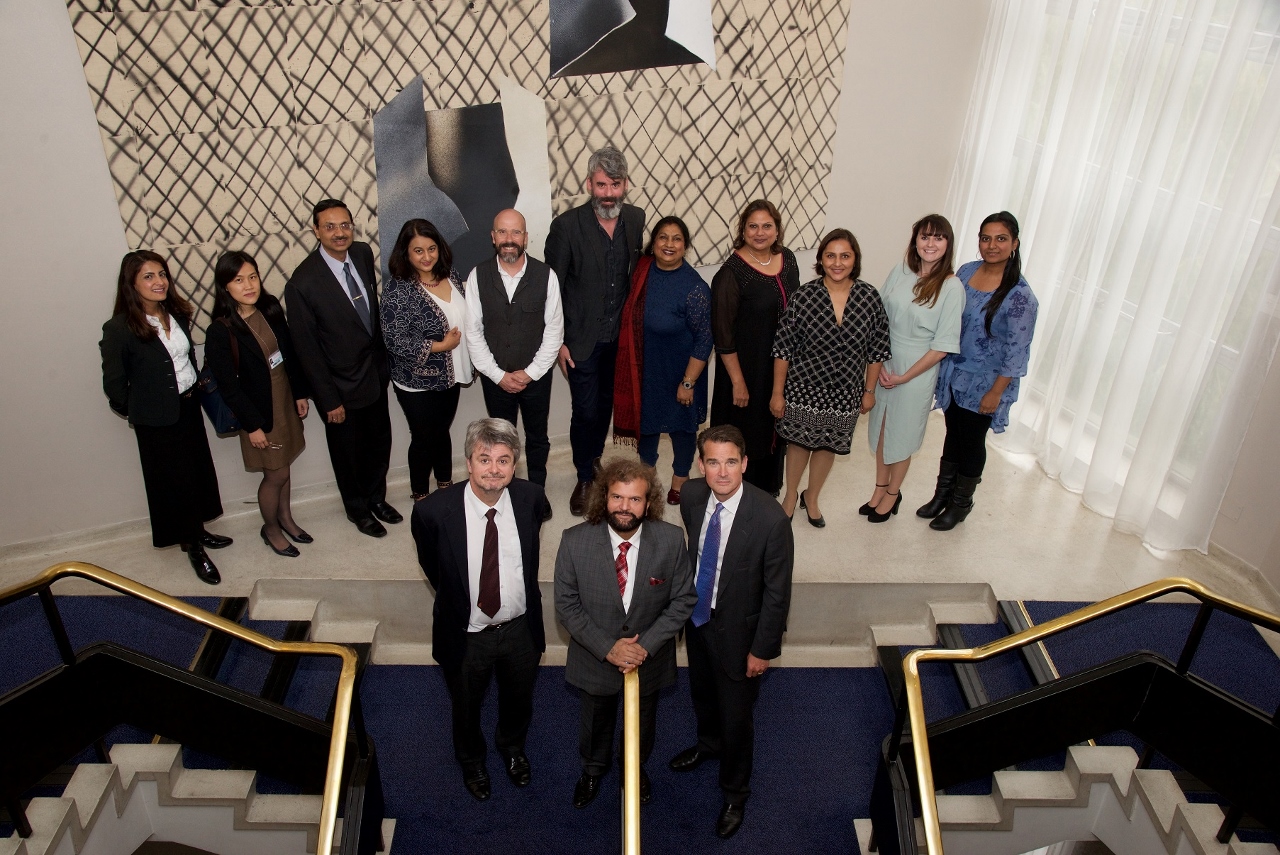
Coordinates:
(686, 384)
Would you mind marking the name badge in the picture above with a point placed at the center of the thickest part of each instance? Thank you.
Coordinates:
(275, 359)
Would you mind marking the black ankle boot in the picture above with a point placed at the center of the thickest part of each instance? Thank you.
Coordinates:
(942, 492)
(960, 505)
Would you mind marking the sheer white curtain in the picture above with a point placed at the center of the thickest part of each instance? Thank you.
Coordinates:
(1138, 143)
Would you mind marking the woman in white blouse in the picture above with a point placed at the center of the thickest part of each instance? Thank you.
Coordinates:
(149, 375)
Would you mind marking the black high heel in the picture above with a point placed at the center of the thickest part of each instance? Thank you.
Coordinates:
(287, 552)
(300, 537)
(867, 508)
(879, 518)
(820, 522)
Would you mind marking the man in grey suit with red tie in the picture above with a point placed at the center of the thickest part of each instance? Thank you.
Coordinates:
(741, 550)
(333, 318)
(478, 546)
(624, 588)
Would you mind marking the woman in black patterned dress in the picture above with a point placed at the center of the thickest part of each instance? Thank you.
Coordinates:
(827, 356)
(748, 295)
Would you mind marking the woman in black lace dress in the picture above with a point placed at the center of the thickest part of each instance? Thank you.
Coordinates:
(748, 296)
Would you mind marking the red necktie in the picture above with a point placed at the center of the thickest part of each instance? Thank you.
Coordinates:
(621, 566)
(490, 599)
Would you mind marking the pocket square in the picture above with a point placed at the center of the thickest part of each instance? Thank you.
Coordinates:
(656, 581)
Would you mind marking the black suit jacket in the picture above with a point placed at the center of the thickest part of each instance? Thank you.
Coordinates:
(576, 253)
(345, 365)
(138, 376)
(247, 391)
(755, 576)
(440, 530)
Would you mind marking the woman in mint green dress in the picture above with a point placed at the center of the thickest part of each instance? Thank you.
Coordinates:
(925, 302)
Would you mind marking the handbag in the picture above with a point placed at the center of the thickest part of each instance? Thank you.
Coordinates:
(224, 421)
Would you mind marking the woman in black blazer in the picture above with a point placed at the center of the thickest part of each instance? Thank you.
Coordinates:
(251, 355)
(149, 375)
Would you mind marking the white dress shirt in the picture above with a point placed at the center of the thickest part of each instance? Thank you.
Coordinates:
(510, 561)
(633, 561)
(336, 267)
(179, 347)
(727, 515)
(552, 330)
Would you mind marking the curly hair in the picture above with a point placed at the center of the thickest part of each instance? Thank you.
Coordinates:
(623, 470)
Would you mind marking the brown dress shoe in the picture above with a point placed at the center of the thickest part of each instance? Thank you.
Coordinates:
(578, 500)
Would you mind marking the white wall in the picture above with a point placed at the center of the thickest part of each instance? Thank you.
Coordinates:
(67, 463)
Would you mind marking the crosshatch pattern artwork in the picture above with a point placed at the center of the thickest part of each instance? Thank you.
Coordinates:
(222, 122)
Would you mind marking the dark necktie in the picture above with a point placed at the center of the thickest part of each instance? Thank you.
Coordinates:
(490, 599)
(357, 299)
(620, 565)
(707, 568)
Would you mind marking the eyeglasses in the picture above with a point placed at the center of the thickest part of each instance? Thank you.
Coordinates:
(515, 233)
(337, 227)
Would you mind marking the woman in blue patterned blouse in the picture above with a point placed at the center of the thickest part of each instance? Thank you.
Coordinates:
(977, 386)
(423, 315)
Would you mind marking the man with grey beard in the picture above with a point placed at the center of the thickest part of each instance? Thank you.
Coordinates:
(514, 332)
(593, 249)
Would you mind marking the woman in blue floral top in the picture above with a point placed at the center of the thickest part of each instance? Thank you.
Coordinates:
(977, 386)
(423, 314)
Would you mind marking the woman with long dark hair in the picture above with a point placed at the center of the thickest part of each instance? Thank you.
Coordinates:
(924, 301)
(748, 296)
(424, 312)
(250, 352)
(977, 386)
(149, 376)
(827, 357)
(660, 382)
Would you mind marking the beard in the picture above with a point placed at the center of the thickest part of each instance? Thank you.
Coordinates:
(624, 523)
(611, 212)
(510, 253)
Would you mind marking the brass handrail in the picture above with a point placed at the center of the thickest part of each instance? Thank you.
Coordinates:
(631, 763)
(915, 698)
(346, 678)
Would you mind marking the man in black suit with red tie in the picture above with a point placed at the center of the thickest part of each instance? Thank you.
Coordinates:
(741, 551)
(332, 298)
(478, 546)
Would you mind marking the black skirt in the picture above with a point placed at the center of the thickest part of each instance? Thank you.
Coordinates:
(177, 469)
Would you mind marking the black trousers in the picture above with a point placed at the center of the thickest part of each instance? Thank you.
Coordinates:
(177, 470)
(599, 721)
(534, 407)
(966, 442)
(430, 415)
(360, 451)
(725, 710)
(506, 653)
(591, 391)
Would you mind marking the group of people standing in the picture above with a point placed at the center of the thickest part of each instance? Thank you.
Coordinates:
(632, 326)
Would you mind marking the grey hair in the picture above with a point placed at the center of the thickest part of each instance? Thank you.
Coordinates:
(610, 161)
(487, 433)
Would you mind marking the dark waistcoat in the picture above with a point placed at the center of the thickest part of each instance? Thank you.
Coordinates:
(513, 330)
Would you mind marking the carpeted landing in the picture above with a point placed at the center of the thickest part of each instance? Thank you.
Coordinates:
(818, 731)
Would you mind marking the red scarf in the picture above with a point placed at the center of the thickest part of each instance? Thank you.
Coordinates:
(629, 367)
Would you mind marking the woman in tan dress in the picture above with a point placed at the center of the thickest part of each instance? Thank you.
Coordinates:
(251, 355)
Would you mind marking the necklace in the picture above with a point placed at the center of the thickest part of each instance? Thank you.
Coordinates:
(768, 261)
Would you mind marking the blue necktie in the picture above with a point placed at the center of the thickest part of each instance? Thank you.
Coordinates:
(707, 568)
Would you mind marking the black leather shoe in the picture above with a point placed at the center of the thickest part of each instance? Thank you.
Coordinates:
(209, 540)
(517, 766)
(578, 499)
(206, 570)
(289, 551)
(586, 790)
(867, 508)
(369, 526)
(820, 522)
(300, 537)
(386, 513)
(691, 758)
(729, 821)
(477, 783)
(877, 517)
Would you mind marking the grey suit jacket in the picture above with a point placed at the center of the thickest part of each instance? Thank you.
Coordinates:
(575, 252)
(755, 576)
(590, 606)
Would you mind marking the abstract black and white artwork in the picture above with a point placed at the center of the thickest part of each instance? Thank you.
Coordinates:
(602, 36)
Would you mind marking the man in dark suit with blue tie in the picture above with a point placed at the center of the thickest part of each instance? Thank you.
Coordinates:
(623, 590)
(332, 299)
(741, 549)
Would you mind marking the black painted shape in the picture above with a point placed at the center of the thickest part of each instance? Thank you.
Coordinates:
(467, 158)
(639, 43)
